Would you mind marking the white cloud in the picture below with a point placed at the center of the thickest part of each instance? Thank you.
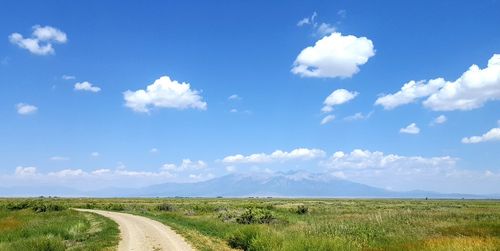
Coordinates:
(101, 171)
(59, 158)
(470, 91)
(68, 173)
(86, 86)
(365, 159)
(327, 119)
(409, 93)
(40, 42)
(68, 77)
(201, 177)
(230, 169)
(439, 120)
(25, 109)
(234, 97)
(410, 129)
(307, 20)
(325, 29)
(337, 97)
(164, 93)
(25, 171)
(333, 56)
(186, 164)
(491, 135)
(358, 116)
(95, 154)
(233, 110)
(276, 156)
(153, 150)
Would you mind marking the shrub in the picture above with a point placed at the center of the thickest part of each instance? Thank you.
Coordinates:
(165, 207)
(115, 207)
(243, 238)
(255, 215)
(301, 209)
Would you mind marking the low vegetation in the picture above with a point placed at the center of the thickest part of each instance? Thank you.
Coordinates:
(48, 225)
(292, 224)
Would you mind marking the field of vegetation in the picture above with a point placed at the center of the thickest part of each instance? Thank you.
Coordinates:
(48, 225)
(269, 224)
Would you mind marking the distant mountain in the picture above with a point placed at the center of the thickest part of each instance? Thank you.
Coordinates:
(289, 184)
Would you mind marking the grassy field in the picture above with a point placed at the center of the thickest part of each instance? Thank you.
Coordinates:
(285, 224)
(48, 225)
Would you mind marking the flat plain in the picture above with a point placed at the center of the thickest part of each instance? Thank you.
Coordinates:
(259, 223)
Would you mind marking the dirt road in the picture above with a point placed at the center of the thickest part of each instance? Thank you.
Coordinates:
(142, 234)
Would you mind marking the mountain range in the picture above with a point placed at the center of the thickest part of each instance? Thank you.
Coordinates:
(289, 184)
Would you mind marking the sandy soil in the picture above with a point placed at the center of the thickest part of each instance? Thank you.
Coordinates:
(140, 233)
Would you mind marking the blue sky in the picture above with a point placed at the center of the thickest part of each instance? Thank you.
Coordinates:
(68, 119)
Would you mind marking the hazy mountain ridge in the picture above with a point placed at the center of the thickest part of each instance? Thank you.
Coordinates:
(289, 184)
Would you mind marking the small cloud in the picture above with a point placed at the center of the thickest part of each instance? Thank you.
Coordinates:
(25, 171)
(59, 158)
(230, 169)
(233, 110)
(342, 13)
(327, 119)
(40, 42)
(492, 135)
(334, 56)
(307, 20)
(86, 86)
(164, 93)
(95, 154)
(26, 109)
(153, 150)
(337, 97)
(439, 120)
(234, 97)
(68, 77)
(358, 116)
(410, 129)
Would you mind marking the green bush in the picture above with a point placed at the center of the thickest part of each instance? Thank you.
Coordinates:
(243, 238)
(301, 209)
(255, 215)
(165, 207)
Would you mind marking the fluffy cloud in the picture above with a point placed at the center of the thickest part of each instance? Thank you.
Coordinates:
(471, 90)
(86, 86)
(327, 119)
(410, 129)
(491, 135)
(164, 93)
(186, 164)
(364, 159)
(333, 56)
(40, 42)
(409, 93)
(337, 97)
(276, 156)
(25, 109)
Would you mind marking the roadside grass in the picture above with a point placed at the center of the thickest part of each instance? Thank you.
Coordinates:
(46, 225)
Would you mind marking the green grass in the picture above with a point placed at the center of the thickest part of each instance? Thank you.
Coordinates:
(323, 224)
(299, 224)
(45, 225)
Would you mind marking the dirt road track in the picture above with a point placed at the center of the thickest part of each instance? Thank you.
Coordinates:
(142, 234)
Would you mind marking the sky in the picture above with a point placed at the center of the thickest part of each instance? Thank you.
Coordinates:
(398, 95)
